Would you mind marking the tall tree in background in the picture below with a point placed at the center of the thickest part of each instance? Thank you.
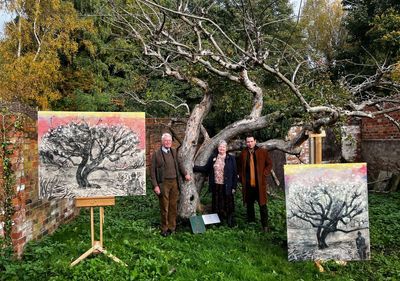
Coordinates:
(39, 44)
(373, 36)
(237, 42)
(321, 21)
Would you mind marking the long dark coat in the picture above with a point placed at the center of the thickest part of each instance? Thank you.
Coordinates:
(230, 173)
(263, 167)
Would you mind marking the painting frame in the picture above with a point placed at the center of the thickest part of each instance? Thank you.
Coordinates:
(91, 154)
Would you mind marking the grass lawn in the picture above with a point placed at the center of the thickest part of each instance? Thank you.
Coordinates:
(241, 253)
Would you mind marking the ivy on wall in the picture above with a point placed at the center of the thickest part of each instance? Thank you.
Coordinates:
(11, 129)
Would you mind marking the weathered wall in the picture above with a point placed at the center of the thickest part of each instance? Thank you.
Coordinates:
(33, 217)
(351, 143)
(380, 145)
(380, 128)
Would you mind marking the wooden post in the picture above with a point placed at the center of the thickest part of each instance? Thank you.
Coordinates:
(317, 147)
(97, 245)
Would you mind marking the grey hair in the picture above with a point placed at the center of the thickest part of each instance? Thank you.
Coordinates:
(165, 135)
(222, 142)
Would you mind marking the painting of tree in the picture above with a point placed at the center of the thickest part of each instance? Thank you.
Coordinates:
(327, 211)
(91, 154)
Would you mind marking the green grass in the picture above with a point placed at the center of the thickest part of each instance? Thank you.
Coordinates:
(241, 253)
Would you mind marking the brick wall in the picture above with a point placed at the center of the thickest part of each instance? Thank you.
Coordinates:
(33, 218)
(155, 127)
(380, 146)
(380, 128)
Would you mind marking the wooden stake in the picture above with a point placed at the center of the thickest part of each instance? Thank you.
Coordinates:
(317, 147)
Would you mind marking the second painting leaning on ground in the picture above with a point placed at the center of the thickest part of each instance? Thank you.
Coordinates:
(327, 212)
(91, 154)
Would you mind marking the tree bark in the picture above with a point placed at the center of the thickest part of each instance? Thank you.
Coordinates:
(189, 197)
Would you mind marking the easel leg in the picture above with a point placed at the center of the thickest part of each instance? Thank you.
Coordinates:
(97, 246)
(83, 256)
(101, 225)
(92, 225)
(114, 258)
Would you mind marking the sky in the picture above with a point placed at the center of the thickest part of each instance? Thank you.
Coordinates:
(3, 18)
(296, 5)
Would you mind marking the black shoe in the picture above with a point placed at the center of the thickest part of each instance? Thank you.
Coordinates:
(231, 221)
(165, 233)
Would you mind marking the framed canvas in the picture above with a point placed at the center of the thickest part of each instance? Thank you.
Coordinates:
(327, 212)
(91, 154)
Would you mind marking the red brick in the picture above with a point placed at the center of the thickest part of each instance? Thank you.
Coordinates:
(16, 235)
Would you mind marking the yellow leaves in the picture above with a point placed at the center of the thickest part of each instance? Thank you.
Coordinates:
(34, 48)
(29, 81)
(89, 47)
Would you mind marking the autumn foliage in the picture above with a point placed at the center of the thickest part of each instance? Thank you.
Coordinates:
(38, 44)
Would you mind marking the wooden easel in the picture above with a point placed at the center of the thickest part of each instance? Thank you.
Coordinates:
(317, 159)
(97, 245)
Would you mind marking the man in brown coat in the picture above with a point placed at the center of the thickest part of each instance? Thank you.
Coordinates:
(254, 166)
(164, 177)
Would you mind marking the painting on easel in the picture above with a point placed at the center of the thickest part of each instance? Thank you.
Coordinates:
(327, 212)
(91, 154)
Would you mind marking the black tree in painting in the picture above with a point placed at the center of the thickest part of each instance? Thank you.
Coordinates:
(90, 148)
(329, 210)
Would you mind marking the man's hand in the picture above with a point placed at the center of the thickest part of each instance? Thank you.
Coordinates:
(187, 177)
(157, 190)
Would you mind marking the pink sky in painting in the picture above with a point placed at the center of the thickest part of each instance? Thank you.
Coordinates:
(135, 121)
(314, 174)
